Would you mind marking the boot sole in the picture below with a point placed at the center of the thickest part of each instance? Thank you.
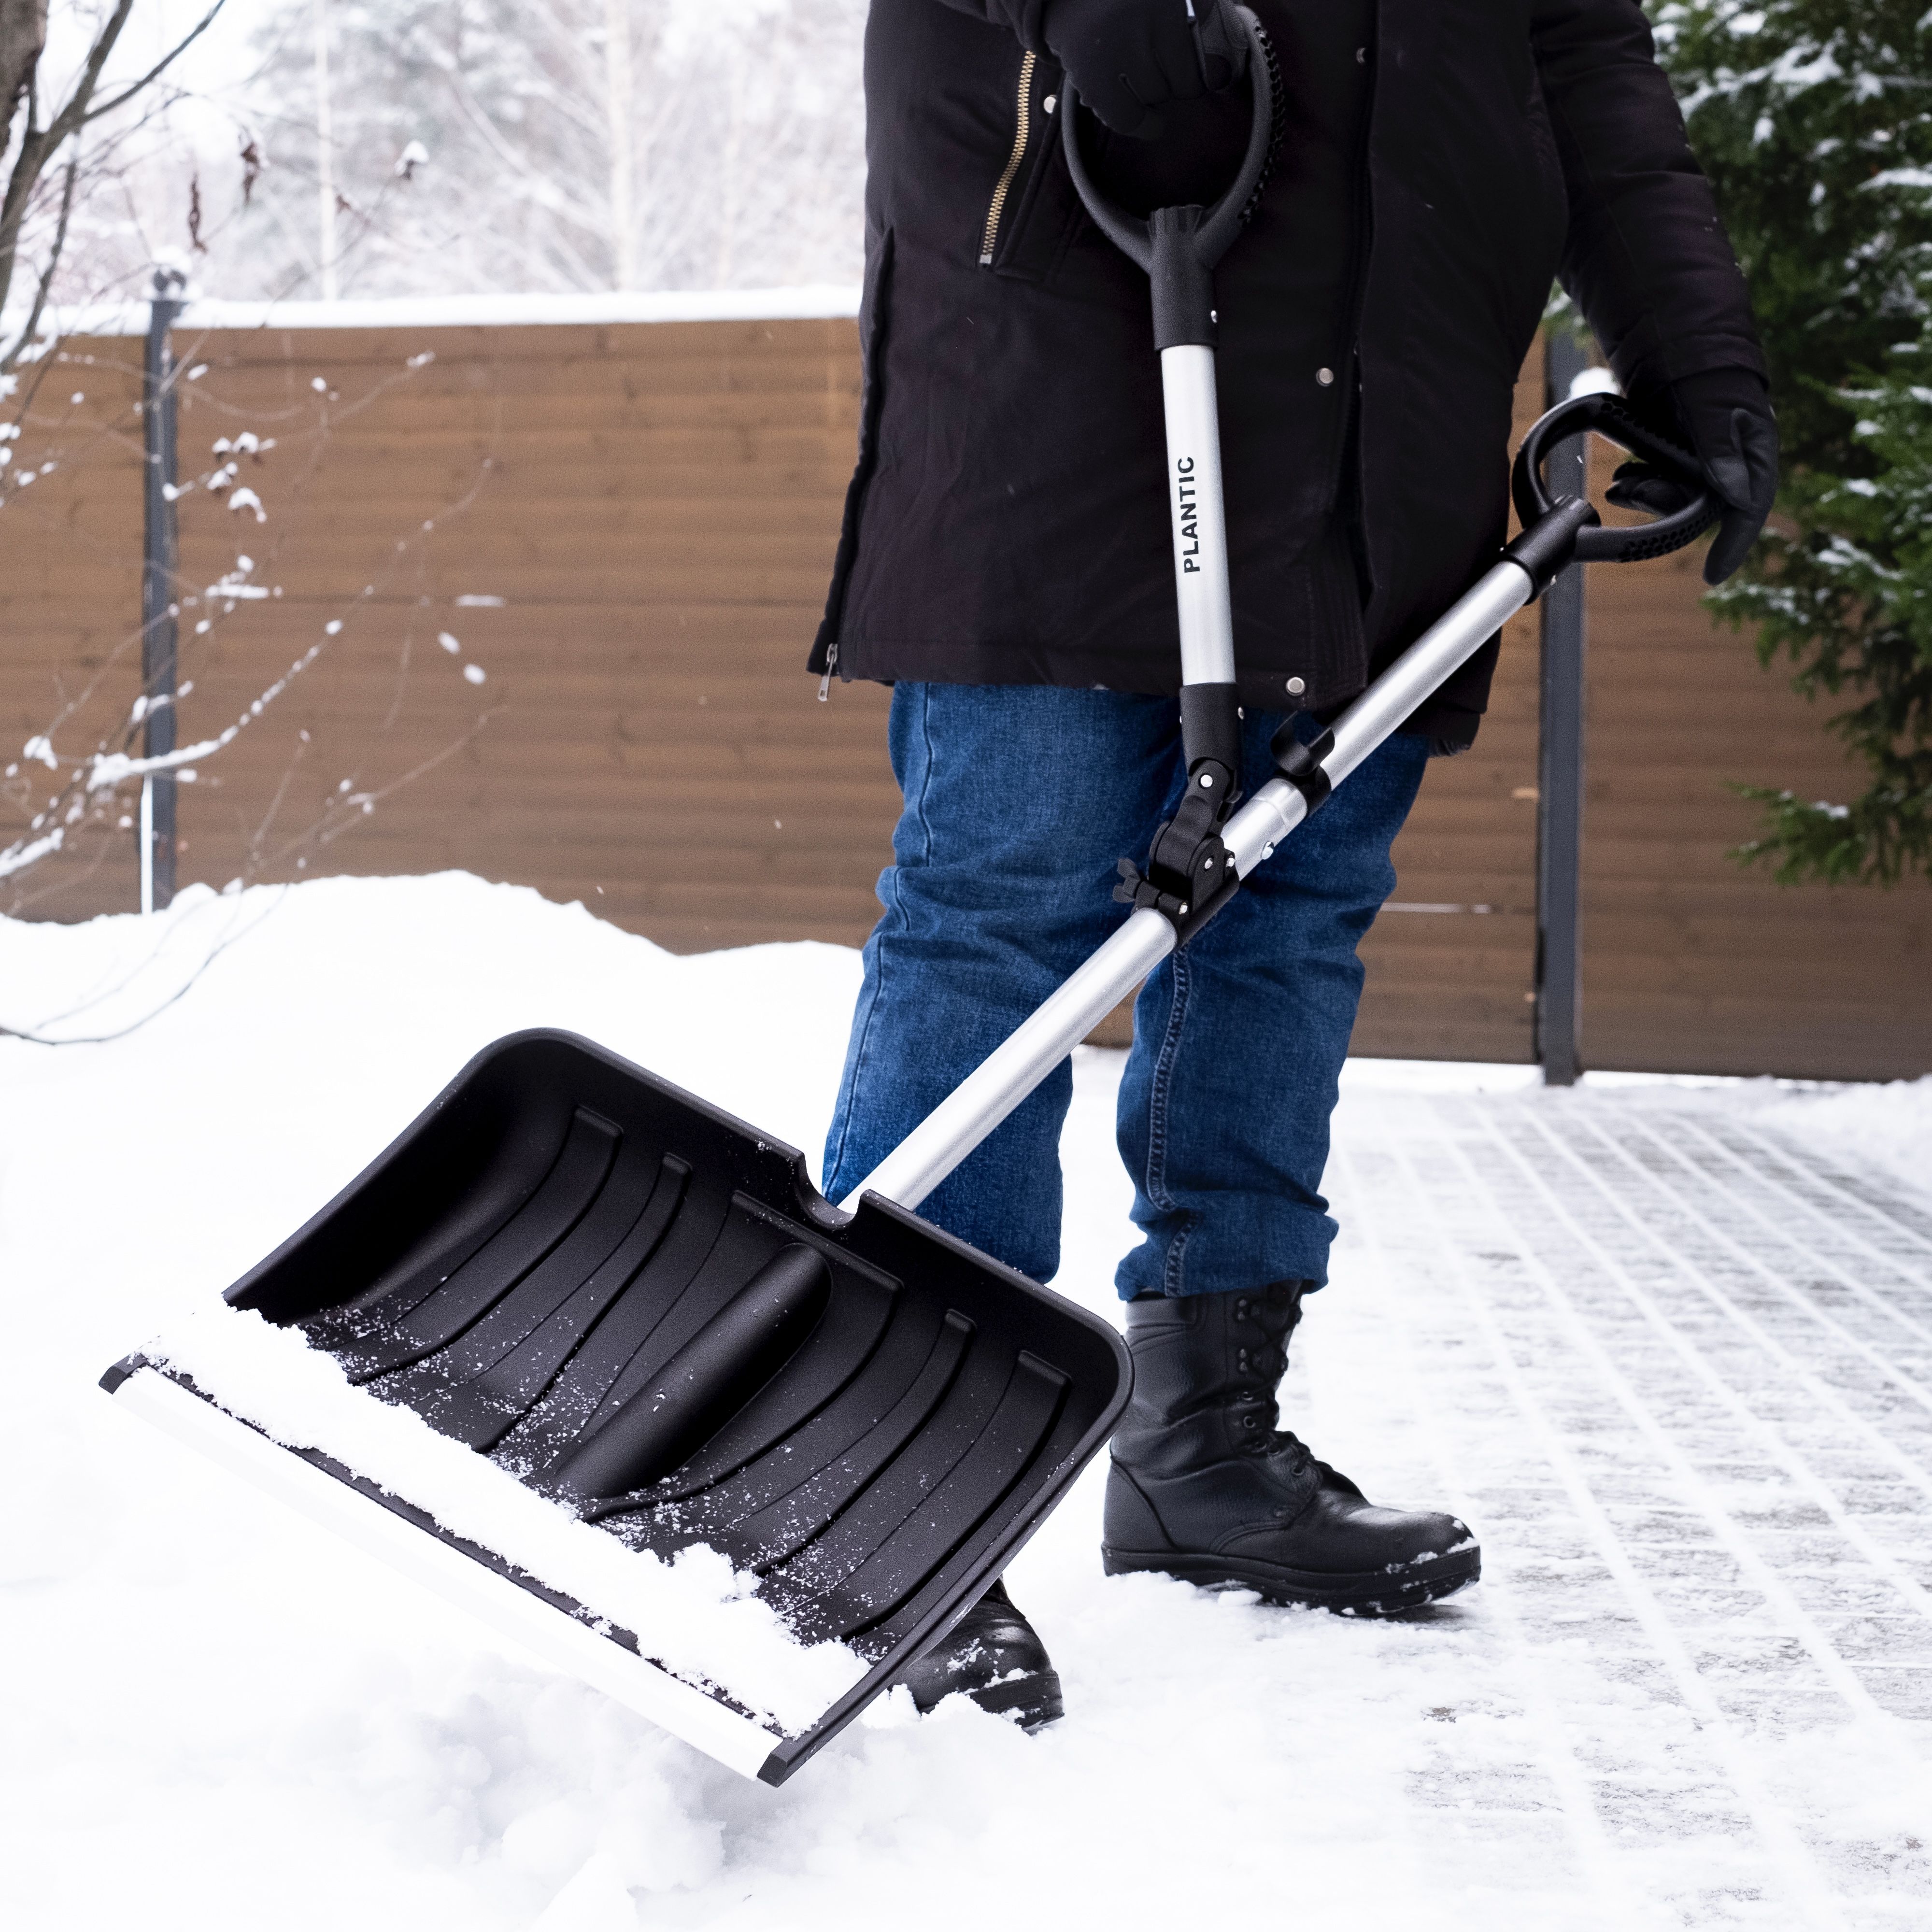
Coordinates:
(1376, 1593)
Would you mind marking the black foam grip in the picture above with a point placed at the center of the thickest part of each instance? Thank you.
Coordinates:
(1217, 225)
(1610, 415)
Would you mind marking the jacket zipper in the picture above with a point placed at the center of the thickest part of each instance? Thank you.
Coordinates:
(1022, 132)
(1361, 226)
(831, 665)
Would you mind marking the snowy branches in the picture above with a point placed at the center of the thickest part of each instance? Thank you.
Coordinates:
(442, 146)
(1849, 598)
(484, 145)
(34, 132)
(75, 781)
(1814, 118)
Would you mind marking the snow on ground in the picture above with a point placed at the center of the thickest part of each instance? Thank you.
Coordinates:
(503, 309)
(1668, 1347)
(1887, 1128)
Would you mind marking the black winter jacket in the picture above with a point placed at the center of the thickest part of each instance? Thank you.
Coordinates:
(1007, 520)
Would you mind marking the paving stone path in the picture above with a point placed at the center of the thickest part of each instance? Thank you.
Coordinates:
(1677, 1369)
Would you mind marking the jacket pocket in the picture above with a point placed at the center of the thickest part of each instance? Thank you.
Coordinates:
(1032, 196)
(1025, 113)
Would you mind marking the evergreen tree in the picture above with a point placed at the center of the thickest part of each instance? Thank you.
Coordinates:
(1814, 118)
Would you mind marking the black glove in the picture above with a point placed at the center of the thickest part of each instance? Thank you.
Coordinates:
(1126, 57)
(1724, 418)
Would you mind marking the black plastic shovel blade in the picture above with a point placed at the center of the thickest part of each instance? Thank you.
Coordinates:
(641, 1308)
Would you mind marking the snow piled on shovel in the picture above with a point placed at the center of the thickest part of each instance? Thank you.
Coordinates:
(694, 1615)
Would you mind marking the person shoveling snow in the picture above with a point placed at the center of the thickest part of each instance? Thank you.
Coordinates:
(1004, 566)
(644, 1336)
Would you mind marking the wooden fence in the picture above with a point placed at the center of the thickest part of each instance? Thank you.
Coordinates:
(552, 585)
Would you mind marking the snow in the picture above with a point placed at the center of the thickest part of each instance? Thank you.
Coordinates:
(1667, 1345)
(1593, 382)
(1887, 1129)
(703, 1622)
(507, 310)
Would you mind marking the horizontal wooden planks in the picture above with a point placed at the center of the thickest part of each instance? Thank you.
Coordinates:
(1690, 962)
(1457, 984)
(650, 511)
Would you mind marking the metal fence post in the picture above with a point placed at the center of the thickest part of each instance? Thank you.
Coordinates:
(160, 607)
(1559, 812)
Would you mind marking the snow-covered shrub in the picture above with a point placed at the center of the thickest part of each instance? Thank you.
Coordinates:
(1814, 118)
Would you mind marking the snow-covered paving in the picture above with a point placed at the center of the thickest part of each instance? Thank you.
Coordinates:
(1668, 1346)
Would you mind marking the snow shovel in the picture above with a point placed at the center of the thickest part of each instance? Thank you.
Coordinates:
(596, 1360)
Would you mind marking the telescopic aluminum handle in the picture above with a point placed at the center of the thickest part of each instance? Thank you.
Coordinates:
(1014, 1068)
(1178, 248)
(1040, 1043)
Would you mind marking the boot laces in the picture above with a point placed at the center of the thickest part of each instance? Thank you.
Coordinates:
(1263, 1362)
(1286, 1444)
(1259, 1365)
(1261, 1438)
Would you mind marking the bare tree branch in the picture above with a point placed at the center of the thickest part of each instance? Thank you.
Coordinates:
(87, 790)
(23, 29)
(187, 986)
(159, 68)
(23, 37)
(70, 115)
(39, 145)
(9, 357)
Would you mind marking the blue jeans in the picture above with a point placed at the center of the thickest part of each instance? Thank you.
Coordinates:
(1019, 801)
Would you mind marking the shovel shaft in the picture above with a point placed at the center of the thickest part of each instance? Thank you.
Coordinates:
(1200, 530)
(1018, 1064)
(1039, 1044)
(1280, 806)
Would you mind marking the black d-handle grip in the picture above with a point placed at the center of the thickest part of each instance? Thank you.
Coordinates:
(1610, 415)
(1210, 230)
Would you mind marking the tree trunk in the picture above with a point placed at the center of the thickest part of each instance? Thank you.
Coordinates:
(23, 34)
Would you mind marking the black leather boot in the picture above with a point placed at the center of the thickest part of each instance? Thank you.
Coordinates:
(1204, 1486)
(993, 1655)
